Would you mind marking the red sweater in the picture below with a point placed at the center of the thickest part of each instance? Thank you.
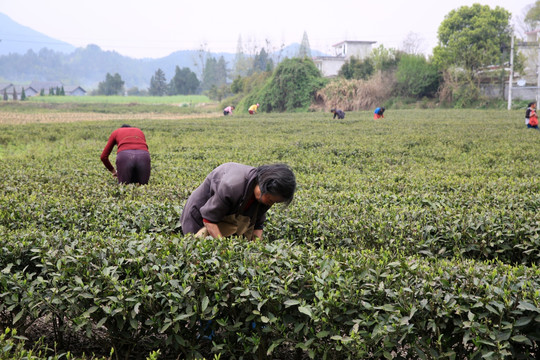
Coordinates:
(128, 138)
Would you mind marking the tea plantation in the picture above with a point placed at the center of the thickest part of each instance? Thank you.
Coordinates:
(416, 236)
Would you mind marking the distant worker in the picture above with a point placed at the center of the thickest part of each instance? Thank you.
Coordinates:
(253, 109)
(132, 157)
(228, 110)
(339, 113)
(531, 119)
(234, 198)
(379, 113)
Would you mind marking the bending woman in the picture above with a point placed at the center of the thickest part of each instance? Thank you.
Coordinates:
(234, 199)
(132, 157)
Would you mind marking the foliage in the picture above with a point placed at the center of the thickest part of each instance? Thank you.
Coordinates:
(184, 82)
(357, 69)
(385, 59)
(291, 87)
(113, 85)
(459, 88)
(473, 37)
(158, 84)
(416, 77)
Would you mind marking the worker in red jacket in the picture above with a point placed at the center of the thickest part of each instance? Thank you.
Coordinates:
(132, 157)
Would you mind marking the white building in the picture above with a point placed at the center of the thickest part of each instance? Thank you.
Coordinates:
(330, 65)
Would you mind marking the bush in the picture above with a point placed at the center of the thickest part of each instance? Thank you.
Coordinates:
(291, 88)
(416, 77)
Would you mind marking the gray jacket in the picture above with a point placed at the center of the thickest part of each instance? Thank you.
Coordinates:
(225, 191)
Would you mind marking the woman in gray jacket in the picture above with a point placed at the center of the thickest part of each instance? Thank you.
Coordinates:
(234, 199)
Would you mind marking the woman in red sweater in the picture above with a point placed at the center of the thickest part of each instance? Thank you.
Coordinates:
(132, 156)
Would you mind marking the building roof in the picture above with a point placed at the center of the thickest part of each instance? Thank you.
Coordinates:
(354, 42)
(46, 85)
(329, 58)
(5, 85)
(71, 88)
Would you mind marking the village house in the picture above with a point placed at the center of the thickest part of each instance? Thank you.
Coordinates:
(74, 91)
(36, 87)
(10, 90)
(329, 65)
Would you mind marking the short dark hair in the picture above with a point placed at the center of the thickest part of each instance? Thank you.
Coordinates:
(125, 125)
(277, 179)
(531, 103)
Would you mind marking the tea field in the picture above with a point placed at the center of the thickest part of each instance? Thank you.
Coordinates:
(416, 236)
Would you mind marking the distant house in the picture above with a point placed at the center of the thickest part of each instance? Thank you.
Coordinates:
(74, 91)
(28, 91)
(329, 65)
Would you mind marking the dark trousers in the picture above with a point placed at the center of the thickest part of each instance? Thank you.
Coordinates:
(133, 167)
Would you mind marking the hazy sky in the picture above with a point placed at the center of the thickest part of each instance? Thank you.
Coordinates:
(143, 28)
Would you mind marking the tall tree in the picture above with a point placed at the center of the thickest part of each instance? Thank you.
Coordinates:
(305, 49)
(242, 63)
(215, 73)
(184, 82)
(262, 62)
(113, 85)
(158, 84)
(473, 37)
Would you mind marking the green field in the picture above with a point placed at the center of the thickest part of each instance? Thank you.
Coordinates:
(175, 100)
(416, 236)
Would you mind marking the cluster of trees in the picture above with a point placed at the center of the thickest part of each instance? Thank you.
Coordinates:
(184, 82)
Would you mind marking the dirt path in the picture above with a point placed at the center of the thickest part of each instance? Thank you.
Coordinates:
(11, 118)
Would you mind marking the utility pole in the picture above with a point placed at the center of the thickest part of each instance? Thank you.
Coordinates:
(511, 79)
(538, 75)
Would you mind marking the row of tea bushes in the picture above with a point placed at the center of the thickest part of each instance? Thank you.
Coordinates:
(233, 298)
(503, 226)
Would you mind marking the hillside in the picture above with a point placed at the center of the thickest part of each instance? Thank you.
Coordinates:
(18, 39)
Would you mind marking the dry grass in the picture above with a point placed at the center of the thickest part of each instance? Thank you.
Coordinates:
(11, 118)
(353, 95)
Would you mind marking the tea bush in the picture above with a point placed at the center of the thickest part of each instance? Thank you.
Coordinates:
(416, 236)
